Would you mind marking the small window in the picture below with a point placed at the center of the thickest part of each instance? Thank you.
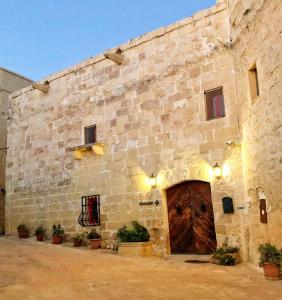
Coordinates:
(90, 211)
(214, 104)
(253, 82)
(90, 134)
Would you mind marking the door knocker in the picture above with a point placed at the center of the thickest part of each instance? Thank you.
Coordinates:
(203, 207)
(178, 209)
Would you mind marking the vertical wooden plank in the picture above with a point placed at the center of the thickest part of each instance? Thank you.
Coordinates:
(191, 220)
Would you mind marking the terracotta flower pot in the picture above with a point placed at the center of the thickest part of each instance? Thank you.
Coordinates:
(57, 240)
(40, 238)
(271, 272)
(95, 244)
(23, 234)
(77, 243)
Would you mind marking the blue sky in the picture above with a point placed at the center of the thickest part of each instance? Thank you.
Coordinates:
(40, 37)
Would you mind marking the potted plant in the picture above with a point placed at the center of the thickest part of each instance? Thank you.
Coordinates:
(94, 238)
(40, 233)
(78, 239)
(226, 256)
(23, 231)
(134, 241)
(270, 259)
(58, 233)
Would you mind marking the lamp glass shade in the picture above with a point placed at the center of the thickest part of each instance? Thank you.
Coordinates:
(152, 181)
(217, 171)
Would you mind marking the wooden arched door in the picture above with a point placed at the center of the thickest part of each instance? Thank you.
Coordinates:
(190, 218)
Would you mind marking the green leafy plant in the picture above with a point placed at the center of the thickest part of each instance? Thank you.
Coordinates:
(80, 237)
(137, 233)
(40, 231)
(226, 260)
(22, 227)
(223, 256)
(93, 235)
(269, 254)
(232, 249)
(58, 231)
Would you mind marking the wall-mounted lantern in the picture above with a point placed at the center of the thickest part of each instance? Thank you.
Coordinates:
(217, 171)
(152, 181)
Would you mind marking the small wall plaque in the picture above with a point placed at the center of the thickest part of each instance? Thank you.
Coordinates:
(227, 204)
(146, 203)
(157, 202)
(262, 210)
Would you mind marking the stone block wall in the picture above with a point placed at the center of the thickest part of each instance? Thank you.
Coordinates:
(150, 114)
(256, 32)
(9, 82)
(3, 133)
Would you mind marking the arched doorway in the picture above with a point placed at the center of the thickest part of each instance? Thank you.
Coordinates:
(190, 218)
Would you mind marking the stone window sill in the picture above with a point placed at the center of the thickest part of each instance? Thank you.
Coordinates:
(79, 151)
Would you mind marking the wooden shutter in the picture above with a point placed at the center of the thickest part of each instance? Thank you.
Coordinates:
(214, 103)
(90, 134)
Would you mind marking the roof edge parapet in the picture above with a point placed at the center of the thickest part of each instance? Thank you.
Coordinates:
(130, 44)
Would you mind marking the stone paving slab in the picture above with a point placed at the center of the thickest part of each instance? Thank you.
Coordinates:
(32, 270)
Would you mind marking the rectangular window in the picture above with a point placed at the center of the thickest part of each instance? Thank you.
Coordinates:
(215, 103)
(90, 134)
(90, 211)
(253, 82)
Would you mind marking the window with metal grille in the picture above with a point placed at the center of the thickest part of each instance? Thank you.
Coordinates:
(90, 211)
(215, 103)
(90, 134)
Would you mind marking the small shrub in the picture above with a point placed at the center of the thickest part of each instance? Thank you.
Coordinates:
(269, 254)
(232, 249)
(40, 231)
(137, 233)
(58, 231)
(227, 260)
(223, 256)
(93, 235)
(22, 227)
(80, 237)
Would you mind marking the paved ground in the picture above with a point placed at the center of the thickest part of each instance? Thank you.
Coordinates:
(32, 270)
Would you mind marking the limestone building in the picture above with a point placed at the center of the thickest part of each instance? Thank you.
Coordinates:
(9, 82)
(136, 134)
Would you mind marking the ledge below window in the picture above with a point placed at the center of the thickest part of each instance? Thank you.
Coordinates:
(79, 151)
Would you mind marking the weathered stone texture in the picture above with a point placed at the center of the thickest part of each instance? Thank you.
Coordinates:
(9, 82)
(256, 30)
(150, 114)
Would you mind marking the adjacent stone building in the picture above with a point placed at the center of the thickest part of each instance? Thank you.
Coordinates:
(255, 27)
(174, 103)
(9, 82)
